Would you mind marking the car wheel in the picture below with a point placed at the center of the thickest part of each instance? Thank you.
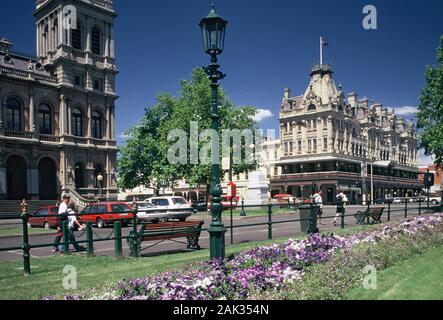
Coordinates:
(47, 226)
(434, 202)
(100, 223)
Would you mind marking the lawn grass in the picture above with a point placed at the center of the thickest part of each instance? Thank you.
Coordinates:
(99, 273)
(418, 278)
(9, 232)
(254, 212)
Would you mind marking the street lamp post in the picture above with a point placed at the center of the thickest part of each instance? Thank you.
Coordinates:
(213, 29)
(100, 185)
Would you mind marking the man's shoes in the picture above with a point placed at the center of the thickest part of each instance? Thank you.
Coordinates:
(55, 250)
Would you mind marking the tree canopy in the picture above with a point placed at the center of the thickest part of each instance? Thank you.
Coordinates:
(430, 115)
(143, 159)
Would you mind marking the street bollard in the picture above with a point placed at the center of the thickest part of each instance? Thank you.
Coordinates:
(389, 211)
(269, 221)
(118, 239)
(89, 239)
(65, 238)
(26, 247)
(313, 220)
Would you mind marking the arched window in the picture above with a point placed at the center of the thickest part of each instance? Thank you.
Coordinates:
(96, 41)
(13, 115)
(76, 34)
(77, 122)
(312, 107)
(44, 119)
(97, 125)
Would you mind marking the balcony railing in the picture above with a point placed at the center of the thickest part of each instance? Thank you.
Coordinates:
(19, 134)
(48, 138)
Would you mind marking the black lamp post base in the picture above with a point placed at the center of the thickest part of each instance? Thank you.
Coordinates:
(217, 241)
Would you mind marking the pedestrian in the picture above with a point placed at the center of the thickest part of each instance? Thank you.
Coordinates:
(62, 209)
(66, 211)
(318, 200)
(341, 205)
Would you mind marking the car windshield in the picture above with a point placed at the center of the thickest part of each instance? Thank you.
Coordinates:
(179, 201)
(145, 205)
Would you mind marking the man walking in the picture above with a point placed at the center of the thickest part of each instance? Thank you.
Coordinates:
(318, 200)
(67, 214)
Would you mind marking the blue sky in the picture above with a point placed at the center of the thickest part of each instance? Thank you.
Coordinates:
(270, 45)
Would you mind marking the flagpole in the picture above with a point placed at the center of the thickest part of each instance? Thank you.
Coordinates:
(321, 51)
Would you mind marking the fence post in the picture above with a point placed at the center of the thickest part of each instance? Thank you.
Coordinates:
(242, 213)
(89, 239)
(65, 238)
(419, 206)
(406, 208)
(25, 246)
(343, 217)
(118, 239)
(389, 211)
(270, 221)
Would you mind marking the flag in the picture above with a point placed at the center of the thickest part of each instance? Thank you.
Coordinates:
(324, 42)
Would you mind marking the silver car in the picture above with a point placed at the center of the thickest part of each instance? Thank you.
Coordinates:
(176, 207)
(149, 212)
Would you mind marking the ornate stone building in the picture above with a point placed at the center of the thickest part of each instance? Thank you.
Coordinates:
(57, 111)
(332, 142)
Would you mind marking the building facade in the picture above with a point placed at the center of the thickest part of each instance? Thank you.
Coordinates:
(57, 110)
(339, 143)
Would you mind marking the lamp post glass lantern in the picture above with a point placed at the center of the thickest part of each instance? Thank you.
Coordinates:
(100, 184)
(213, 30)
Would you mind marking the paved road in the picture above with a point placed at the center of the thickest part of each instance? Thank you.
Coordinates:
(241, 235)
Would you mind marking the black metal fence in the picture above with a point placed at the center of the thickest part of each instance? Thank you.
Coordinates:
(308, 216)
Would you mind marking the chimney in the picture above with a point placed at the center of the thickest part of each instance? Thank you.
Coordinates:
(352, 99)
(287, 93)
(5, 45)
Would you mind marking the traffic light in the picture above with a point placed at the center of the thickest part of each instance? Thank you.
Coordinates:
(429, 179)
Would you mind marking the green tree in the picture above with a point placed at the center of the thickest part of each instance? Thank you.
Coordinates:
(430, 115)
(143, 159)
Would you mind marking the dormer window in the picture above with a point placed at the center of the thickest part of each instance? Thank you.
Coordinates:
(312, 107)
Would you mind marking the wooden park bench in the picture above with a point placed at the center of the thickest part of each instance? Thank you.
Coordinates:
(160, 232)
(371, 213)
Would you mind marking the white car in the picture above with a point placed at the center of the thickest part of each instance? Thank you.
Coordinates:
(149, 212)
(175, 207)
(434, 200)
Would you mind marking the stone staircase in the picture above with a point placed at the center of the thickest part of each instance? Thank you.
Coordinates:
(12, 207)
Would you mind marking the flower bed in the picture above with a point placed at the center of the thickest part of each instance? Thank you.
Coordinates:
(262, 269)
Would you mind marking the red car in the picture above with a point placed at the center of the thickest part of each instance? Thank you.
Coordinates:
(40, 219)
(104, 213)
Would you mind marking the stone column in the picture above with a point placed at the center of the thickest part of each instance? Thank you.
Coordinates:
(108, 122)
(69, 111)
(106, 38)
(111, 41)
(88, 35)
(62, 116)
(31, 112)
(89, 121)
